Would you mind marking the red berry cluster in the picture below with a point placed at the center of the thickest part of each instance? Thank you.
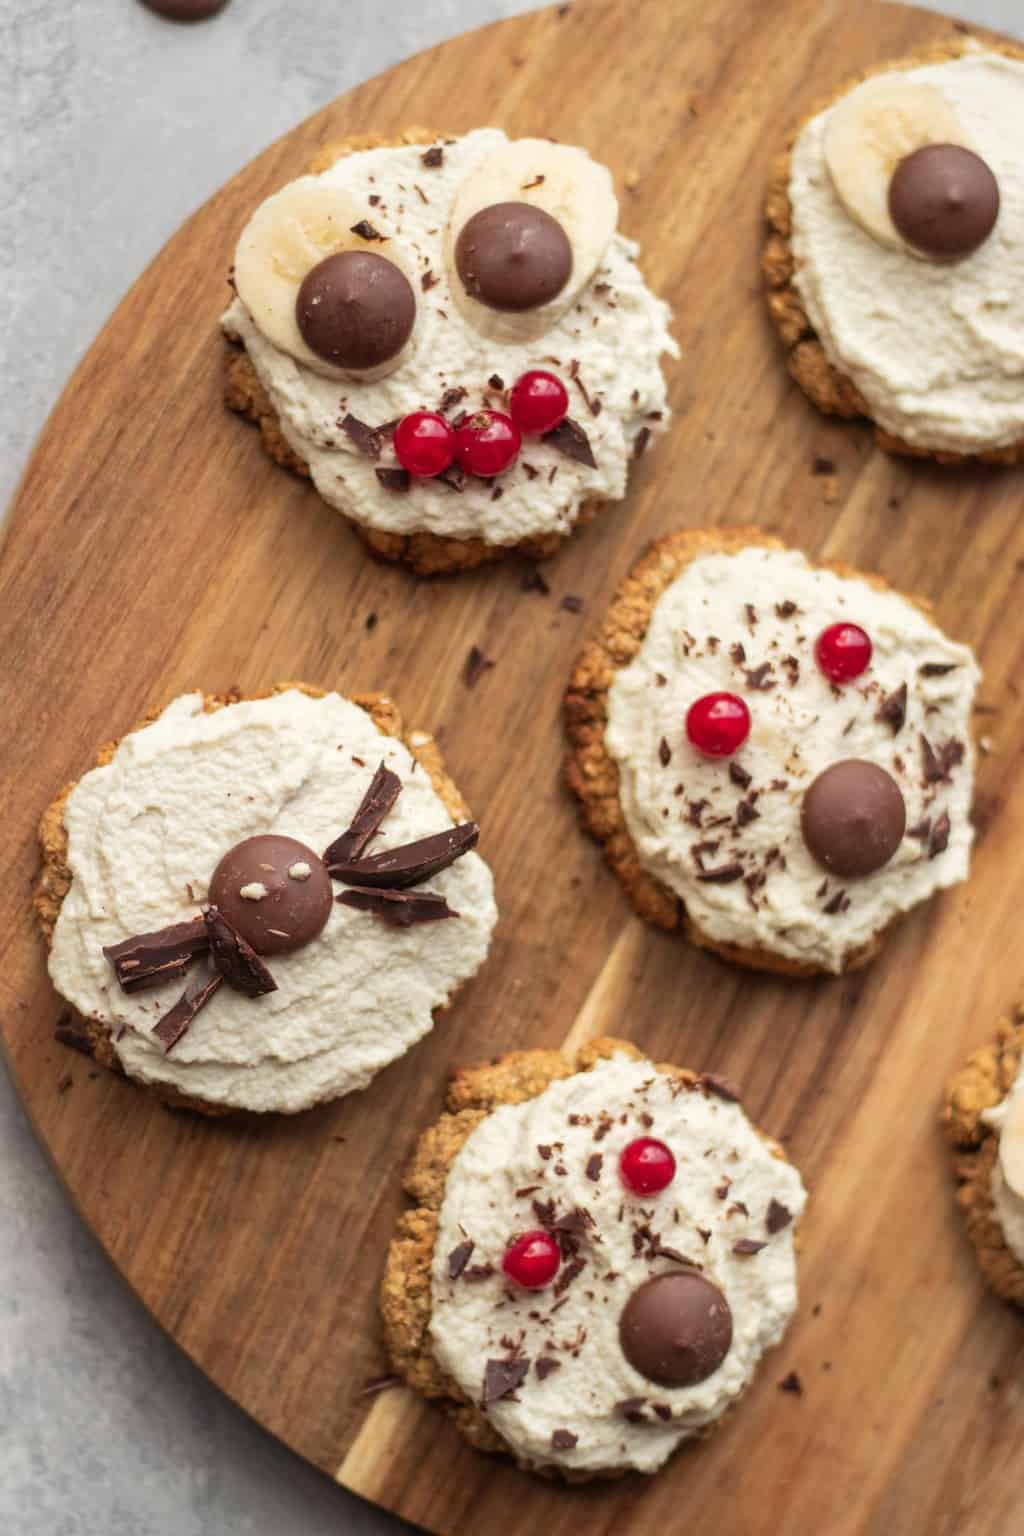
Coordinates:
(718, 724)
(487, 442)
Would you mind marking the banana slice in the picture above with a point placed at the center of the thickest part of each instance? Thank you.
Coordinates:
(288, 235)
(1011, 1145)
(870, 131)
(564, 183)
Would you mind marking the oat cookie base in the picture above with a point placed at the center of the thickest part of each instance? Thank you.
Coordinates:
(91, 1035)
(831, 390)
(405, 1297)
(592, 773)
(985, 1080)
(428, 554)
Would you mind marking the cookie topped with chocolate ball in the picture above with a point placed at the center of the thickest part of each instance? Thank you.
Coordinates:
(777, 756)
(601, 1254)
(452, 339)
(259, 903)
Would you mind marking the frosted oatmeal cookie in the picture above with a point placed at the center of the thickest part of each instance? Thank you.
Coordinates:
(776, 757)
(258, 903)
(449, 336)
(895, 230)
(599, 1255)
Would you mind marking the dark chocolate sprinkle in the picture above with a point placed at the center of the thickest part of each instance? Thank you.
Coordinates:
(399, 908)
(748, 1245)
(385, 788)
(893, 709)
(664, 753)
(725, 874)
(459, 1258)
(365, 230)
(643, 437)
(937, 668)
(563, 1440)
(394, 479)
(938, 841)
(594, 1165)
(739, 775)
(631, 1408)
(433, 157)
(502, 1377)
(534, 580)
(570, 439)
(778, 1216)
(720, 1087)
(365, 438)
(792, 1383)
(545, 1365)
(178, 1019)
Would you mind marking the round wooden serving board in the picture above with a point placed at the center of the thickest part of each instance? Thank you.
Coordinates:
(153, 549)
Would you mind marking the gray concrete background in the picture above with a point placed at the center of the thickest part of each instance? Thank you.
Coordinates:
(113, 126)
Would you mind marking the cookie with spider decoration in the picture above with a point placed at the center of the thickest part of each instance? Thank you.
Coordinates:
(775, 756)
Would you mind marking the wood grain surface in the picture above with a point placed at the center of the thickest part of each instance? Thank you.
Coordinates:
(152, 549)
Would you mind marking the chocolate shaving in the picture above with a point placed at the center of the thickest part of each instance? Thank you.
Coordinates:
(367, 439)
(385, 788)
(574, 1221)
(178, 1019)
(570, 439)
(778, 1216)
(720, 1087)
(785, 609)
(892, 711)
(747, 1245)
(433, 157)
(631, 1408)
(938, 841)
(398, 480)
(149, 959)
(664, 753)
(478, 1272)
(937, 668)
(402, 909)
(545, 1365)
(502, 1377)
(379, 1384)
(235, 959)
(640, 442)
(453, 397)
(476, 665)
(459, 1258)
(563, 1439)
(567, 1275)
(725, 874)
(792, 1383)
(365, 230)
(836, 904)
(758, 678)
(399, 868)
(534, 581)
(454, 477)
(571, 603)
(661, 1251)
(595, 1162)
(739, 775)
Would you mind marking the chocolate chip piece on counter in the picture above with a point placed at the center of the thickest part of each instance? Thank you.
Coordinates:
(177, 1021)
(150, 959)
(398, 868)
(355, 309)
(676, 1329)
(944, 200)
(185, 10)
(778, 1216)
(402, 909)
(792, 1383)
(476, 665)
(513, 256)
(853, 817)
(563, 1439)
(237, 961)
(385, 788)
(290, 912)
(502, 1377)
(570, 439)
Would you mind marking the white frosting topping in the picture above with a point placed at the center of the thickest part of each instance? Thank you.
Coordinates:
(145, 834)
(785, 902)
(1007, 1204)
(936, 348)
(726, 1177)
(615, 333)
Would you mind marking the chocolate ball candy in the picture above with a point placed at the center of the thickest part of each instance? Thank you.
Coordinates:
(513, 256)
(944, 200)
(355, 309)
(274, 891)
(853, 817)
(185, 10)
(676, 1329)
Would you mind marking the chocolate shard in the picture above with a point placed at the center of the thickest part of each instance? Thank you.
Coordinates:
(938, 840)
(748, 1245)
(595, 1162)
(365, 438)
(399, 868)
(792, 1383)
(177, 1021)
(394, 479)
(544, 1366)
(893, 709)
(720, 1087)
(235, 959)
(739, 775)
(402, 909)
(365, 230)
(778, 1216)
(385, 788)
(502, 1377)
(71, 1031)
(725, 874)
(632, 1409)
(937, 668)
(433, 157)
(574, 1221)
(149, 959)
(563, 1439)
(570, 439)
(459, 1258)
(662, 1251)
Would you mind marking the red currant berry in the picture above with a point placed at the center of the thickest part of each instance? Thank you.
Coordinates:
(539, 401)
(532, 1260)
(487, 443)
(424, 443)
(843, 652)
(718, 724)
(646, 1166)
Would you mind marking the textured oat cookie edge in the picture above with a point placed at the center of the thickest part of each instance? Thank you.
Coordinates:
(826, 386)
(592, 774)
(425, 553)
(54, 880)
(980, 1084)
(405, 1294)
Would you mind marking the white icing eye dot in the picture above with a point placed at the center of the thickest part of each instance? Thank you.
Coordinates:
(254, 891)
(299, 871)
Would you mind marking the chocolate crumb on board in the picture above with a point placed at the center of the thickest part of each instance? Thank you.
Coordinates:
(476, 665)
(792, 1383)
